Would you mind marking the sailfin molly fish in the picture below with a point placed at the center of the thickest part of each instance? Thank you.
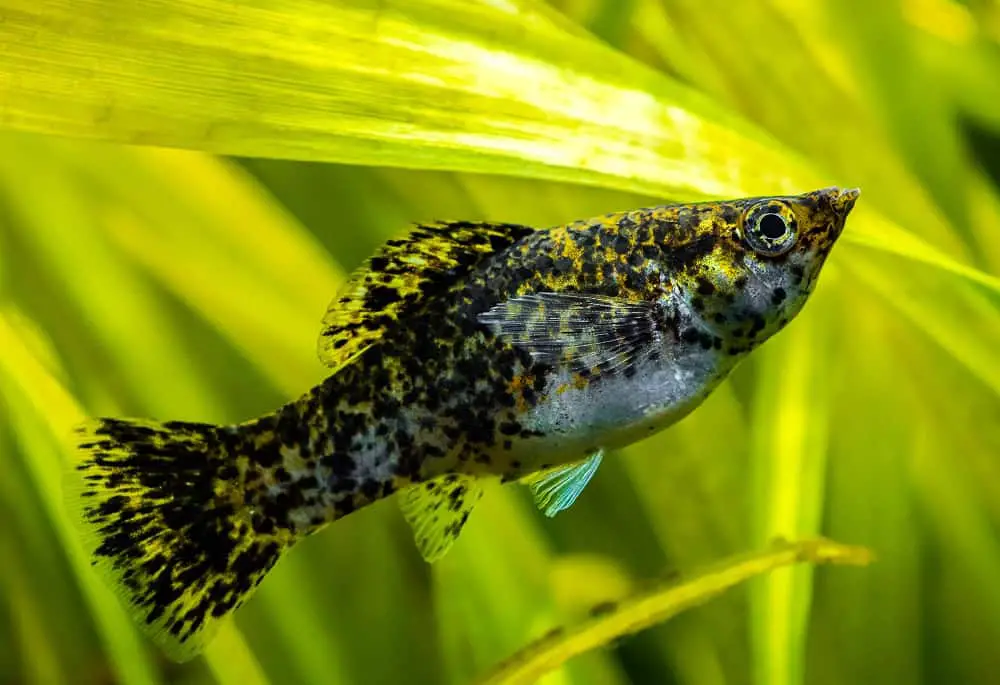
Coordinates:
(459, 353)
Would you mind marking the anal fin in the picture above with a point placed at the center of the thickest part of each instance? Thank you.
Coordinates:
(437, 510)
(556, 489)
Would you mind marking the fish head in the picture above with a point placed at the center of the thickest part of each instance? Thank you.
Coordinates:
(765, 262)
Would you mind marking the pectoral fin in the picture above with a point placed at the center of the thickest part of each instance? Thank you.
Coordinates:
(556, 489)
(597, 333)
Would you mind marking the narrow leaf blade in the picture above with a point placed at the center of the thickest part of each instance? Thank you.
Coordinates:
(659, 604)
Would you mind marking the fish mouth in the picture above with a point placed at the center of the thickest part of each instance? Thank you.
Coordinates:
(843, 200)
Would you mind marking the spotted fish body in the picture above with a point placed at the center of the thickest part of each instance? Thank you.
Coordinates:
(462, 352)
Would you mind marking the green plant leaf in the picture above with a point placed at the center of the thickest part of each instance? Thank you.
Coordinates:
(883, 47)
(688, 482)
(191, 234)
(53, 207)
(43, 415)
(659, 604)
(868, 498)
(511, 91)
(506, 597)
(475, 85)
(46, 414)
(166, 282)
(193, 223)
(788, 463)
(39, 656)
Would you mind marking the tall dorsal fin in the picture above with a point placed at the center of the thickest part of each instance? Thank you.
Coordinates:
(399, 280)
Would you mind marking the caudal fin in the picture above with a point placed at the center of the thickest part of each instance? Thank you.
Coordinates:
(166, 518)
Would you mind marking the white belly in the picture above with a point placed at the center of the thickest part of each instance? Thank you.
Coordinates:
(618, 410)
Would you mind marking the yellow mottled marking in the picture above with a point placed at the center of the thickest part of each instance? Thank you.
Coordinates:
(293, 459)
(518, 384)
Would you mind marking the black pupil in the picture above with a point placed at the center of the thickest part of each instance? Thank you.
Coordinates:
(772, 226)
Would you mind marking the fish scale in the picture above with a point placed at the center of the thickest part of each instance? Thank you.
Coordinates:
(461, 352)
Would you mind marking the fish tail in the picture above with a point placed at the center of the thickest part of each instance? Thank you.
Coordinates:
(166, 517)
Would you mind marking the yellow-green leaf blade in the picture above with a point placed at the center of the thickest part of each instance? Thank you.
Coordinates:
(445, 84)
(47, 414)
(788, 459)
(659, 604)
(43, 414)
(432, 84)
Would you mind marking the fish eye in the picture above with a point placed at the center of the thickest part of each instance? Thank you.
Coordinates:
(770, 227)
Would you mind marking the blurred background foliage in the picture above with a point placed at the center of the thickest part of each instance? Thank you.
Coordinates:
(179, 284)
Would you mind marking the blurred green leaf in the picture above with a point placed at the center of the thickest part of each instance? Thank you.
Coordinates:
(169, 283)
(868, 499)
(231, 660)
(965, 534)
(192, 239)
(885, 50)
(660, 603)
(475, 85)
(690, 485)
(54, 209)
(558, 105)
(43, 415)
(503, 567)
(788, 457)
(40, 660)
(963, 320)
(279, 285)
